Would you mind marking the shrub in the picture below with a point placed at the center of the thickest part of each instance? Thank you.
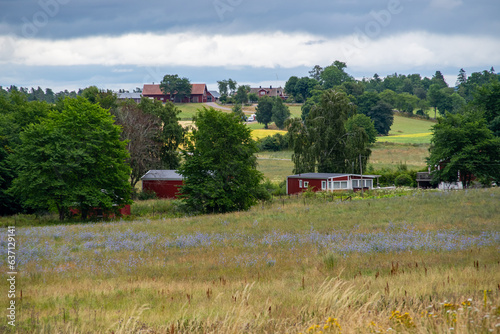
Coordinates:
(146, 194)
(403, 180)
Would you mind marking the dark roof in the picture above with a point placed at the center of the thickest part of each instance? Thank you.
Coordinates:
(215, 93)
(129, 95)
(327, 175)
(162, 174)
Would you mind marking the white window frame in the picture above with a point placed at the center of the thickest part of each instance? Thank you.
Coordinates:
(300, 183)
(323, 185)
(355, 183)
(306, 184)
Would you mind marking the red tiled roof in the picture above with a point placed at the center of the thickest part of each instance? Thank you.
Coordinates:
(148, 89)
(198, 89)
(151, 90)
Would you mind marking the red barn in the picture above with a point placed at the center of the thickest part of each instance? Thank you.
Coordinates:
(165, 183)
(328, 182)
(199, 93)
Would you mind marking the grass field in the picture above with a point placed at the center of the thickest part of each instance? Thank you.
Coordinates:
(409, 131)
(422, 263)
(277, 165)
(188, 110)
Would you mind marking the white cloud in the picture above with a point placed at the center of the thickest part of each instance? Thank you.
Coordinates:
(288, 50)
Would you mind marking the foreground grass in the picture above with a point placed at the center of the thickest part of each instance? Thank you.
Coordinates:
(422, 263)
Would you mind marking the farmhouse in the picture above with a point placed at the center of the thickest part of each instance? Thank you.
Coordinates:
(328, 182)
(272, 92)
(199, 93)
(133, 96)
(165, 183)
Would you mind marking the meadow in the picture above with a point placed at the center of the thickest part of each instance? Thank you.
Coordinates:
(420, 262)
(276, 166)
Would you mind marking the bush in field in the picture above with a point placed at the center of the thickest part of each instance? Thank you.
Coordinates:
(403, 180)
(277, 142)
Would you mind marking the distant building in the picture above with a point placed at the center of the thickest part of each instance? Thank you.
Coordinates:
(328, 182)
(165, 183)
(213, 96)
(199, 93)
(133, 96)
(272, 92)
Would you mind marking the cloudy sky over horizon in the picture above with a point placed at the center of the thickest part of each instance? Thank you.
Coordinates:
(71, 44)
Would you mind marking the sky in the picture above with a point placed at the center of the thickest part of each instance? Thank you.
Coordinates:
(71, 44)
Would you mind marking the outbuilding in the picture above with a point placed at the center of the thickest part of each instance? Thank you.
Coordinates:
(165, 183)
(328, 182)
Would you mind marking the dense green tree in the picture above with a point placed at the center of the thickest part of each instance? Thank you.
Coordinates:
(304, 87)
(73, 158)
(322, 142)
(16, 113)
(171, 134)
(252, 97)
(178, 88)
(315, 73)
(364, 122)
(107, 99)
(264, 110)
(241, 95)
(280, 113)
(438, 79)
(290, 86)
(406, 102)
(463, 145)
(334, 75)
(222, 84)
(435, 96)
(231, 84)
(238, 111)
(382, 116)
(219, 164)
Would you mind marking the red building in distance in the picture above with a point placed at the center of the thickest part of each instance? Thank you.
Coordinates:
(199, 93)
(165, 183)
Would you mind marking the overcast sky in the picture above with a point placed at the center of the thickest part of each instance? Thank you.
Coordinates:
(71, 44)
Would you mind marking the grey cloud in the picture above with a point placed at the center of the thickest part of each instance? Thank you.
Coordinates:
(74, 18)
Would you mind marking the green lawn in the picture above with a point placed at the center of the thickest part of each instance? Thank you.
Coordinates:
(188, 110)
(407, 130)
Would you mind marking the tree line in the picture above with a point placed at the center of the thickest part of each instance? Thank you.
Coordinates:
(341, 116)
(90, 151)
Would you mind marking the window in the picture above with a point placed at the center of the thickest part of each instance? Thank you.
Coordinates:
(323, 185)
(368, 183)
(329, 184)
(343, 184)
(300, 183)
(336, 185)
(306, 184)
(355, 183)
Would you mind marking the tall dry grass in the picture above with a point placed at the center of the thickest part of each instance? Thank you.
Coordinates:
(421, 263)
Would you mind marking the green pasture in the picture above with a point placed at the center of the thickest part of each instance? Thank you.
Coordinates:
(406, 130)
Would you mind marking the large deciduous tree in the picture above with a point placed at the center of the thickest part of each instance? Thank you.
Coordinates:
(322, 143)
(73, 158)
(219, 164)
(171, 134)
(280, 113)
(140, 130)
(264, 110)
(178, 88)
(463, 145)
